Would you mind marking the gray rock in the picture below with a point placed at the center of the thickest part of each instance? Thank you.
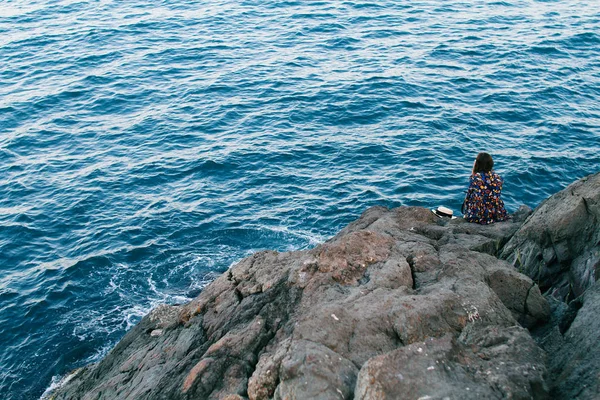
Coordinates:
(492, 363)
(559, 244)
(399, 304)
(303, 324)
(575, 368)
(573, 347)
(559, 247)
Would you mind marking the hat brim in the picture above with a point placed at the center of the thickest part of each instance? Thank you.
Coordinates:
(440, 216)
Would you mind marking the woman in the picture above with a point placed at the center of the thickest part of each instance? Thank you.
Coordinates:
(483, 204)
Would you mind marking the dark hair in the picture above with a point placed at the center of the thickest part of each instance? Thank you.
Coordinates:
(483, 163)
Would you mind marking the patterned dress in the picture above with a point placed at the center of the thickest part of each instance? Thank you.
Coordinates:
(483, 204)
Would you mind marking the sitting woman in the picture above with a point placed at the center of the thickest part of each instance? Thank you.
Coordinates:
(483, 204)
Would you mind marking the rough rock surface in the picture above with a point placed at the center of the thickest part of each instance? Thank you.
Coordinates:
(574, 356)
(399, 305)
(488, 364)
(559, 245)
(304, 324)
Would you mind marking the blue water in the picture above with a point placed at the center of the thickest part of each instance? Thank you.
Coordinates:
(144, 148)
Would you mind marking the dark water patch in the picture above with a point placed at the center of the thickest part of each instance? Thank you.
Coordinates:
(548, 50)
(472, 38)
(326, 28)
(119, 103)
(95, 60)
(10, 75)
(365, 5)
(585, 40)
(343, 43)
(36, 41)
(385, 33)
(314, 16)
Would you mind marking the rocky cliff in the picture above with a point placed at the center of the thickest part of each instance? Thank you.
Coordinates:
(399, 305)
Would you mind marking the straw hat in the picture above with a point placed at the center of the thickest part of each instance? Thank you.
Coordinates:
(442, 211)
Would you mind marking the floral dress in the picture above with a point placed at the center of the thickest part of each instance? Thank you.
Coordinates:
(483, 204)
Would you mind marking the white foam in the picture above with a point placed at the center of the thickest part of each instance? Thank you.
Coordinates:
(56, 383)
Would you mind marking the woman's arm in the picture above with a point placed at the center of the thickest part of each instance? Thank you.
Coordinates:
(475, 183)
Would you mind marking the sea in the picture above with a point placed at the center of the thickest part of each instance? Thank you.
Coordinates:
(147, 146)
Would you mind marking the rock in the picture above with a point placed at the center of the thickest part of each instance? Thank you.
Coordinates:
(493, 363)
(303, 324)
(527, 304)
(559, 244)
(399, 304)
(559, 247)
(573, 362)
(165, 316)
(313, 371)
(576, 366)
(522, 214)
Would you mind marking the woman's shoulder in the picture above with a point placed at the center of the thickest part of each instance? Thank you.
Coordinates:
(495, 176)
(483, 178)
(486, 175)
(477, 176)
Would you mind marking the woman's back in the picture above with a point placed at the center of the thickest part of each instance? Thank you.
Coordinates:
(483, 204)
